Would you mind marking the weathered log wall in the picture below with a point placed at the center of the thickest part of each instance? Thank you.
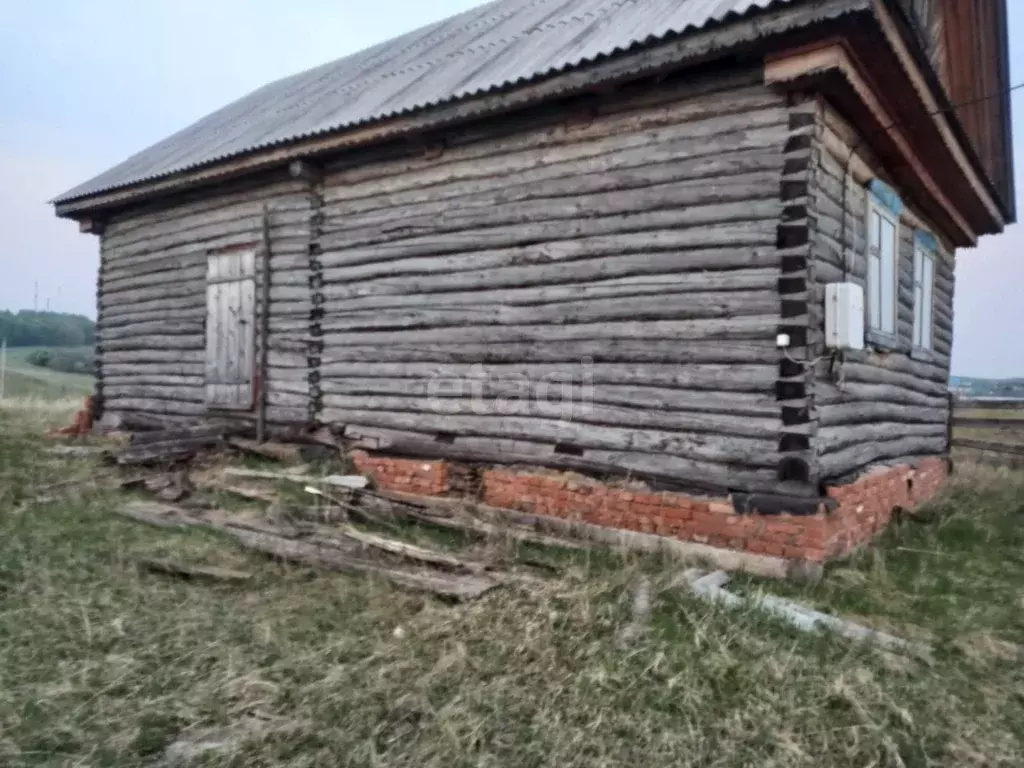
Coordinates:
(152, 298)
(597, 292)
(885, 403)
(598, 289)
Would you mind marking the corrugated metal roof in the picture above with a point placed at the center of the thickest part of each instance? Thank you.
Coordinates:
(499, 44)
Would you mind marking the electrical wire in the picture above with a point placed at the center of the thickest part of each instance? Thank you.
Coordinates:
(863, 137)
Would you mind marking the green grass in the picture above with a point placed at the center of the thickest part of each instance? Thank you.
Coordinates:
(1010, 430)
(25, 380)
(102, 665)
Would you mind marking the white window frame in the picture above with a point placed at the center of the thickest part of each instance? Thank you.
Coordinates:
(925, 261)
(882, 315)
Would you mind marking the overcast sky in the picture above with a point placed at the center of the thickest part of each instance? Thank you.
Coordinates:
(85, 84)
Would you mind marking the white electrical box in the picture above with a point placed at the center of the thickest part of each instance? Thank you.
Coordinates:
(844, 316)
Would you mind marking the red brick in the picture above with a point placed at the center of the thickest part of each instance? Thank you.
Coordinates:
(864, 508)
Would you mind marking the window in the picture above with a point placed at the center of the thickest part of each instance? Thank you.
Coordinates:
(924, 282)
(883, 250)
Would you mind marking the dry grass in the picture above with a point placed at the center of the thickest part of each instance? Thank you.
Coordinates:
(101, 665)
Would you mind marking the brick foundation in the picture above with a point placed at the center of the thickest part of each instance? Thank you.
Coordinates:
(424, 478)
(864, 508)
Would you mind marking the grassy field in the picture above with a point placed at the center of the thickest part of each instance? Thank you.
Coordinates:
(102, 665)
(1009, 430)
(25, 380)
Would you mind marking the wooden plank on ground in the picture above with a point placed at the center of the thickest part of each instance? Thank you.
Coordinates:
(190, 571)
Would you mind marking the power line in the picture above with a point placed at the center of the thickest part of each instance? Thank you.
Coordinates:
(862, 139)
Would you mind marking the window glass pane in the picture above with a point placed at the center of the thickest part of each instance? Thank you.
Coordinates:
(875, 227)
(888, 277)
(918, 295)
(918, 307)
(874, 294)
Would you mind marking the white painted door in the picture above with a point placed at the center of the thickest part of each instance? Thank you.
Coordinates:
(230, 329)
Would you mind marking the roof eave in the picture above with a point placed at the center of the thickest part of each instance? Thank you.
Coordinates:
(684, 49)
(892, 14)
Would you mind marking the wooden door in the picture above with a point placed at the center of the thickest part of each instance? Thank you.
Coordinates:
(230, 329)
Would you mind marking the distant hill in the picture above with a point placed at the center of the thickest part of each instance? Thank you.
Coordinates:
(27, 328)
(969, 386)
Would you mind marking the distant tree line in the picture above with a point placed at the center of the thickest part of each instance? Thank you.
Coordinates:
(969, 386)
(46, 329)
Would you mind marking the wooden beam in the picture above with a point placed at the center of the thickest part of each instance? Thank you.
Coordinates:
(931, 103)
(301, 169)
(789, 67)
(92, 225)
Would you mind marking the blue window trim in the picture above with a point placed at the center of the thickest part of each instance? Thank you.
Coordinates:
(926, 241)
(886, 196)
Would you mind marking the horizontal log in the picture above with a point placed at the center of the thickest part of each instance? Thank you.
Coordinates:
(184, 293)
(285, 209)
(902, 364)
(876, 412)
(134, 418)
(702, 415)
(143, 378)
(144, 277)
(828, 393)
(150, 355)
(564, 263)
(111, 319)
(367, 378)
(222, 239)
(189, 343)
(153, 405)
(617, 170)
(673, 470)
(286, 245)
(686, 306)
(831, 439)
(736, 329)
(152, 371)
(750, 221)
(184, 394)
(600, 276)
(847, 461)
(522, 150)
(706, 447)
(281, 396)
(292, 255)
(543, 203)
(251, 191)
(704, 132)
(195, 230)
(610, 351)
(874, 374)
(559, 387)
(165, 328)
